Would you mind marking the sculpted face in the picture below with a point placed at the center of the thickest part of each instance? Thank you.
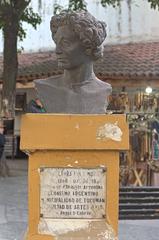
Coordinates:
(70, 53)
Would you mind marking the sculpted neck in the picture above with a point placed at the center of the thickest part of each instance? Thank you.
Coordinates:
(81, 74)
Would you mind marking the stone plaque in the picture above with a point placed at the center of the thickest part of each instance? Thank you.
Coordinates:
(72, 193)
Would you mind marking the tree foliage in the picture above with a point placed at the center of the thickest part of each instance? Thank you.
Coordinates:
(81, 4)
(154, 3)
(114, 3)
(12, 15)
(23, 12)
(30, 17)
(75, 5)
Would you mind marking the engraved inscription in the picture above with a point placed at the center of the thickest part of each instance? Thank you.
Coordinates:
(72, 192)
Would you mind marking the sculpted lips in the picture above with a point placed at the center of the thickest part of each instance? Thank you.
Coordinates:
(61, 59)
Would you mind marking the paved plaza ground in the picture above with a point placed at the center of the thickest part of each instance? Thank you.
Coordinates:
(13, 209)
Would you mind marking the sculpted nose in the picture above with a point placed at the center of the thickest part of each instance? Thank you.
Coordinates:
(58, 49)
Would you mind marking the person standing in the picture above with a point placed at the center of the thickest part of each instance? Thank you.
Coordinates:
(2, 140)
(35, 106)
(4, 170)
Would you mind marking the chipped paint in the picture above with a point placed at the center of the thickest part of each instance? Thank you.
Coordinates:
(69, 165)
(28, 152)
(72, 229)
(102, 166)
(108, 234)
(58, 227)
(77, 126)
(109, 131)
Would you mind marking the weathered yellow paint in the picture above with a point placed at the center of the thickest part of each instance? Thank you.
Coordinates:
(40, 133)
(48, 131)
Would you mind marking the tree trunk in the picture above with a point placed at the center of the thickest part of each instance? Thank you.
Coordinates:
(10, 67)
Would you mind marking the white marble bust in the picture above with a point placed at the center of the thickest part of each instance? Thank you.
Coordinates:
(78, 37)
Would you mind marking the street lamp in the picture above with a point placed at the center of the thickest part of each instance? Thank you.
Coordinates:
(148, 90)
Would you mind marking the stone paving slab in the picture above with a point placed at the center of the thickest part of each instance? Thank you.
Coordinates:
(3, 218)
(12, 231)
(13, 202)
(4, 239)
(139, 230)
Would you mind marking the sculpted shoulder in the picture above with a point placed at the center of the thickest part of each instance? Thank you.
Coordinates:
(101, 85)
(51, 81)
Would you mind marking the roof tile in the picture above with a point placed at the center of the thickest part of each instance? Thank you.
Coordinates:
(125, 60)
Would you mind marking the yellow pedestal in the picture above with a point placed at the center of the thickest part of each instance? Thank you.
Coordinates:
(73, 141)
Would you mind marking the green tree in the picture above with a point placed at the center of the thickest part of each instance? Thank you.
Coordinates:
(81, 4)
(12, 14)
(154, 3)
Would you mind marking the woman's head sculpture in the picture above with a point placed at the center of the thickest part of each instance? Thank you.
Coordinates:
(78, 37)
(87, 29)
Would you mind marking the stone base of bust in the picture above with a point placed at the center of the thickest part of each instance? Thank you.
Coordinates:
(83, 98)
